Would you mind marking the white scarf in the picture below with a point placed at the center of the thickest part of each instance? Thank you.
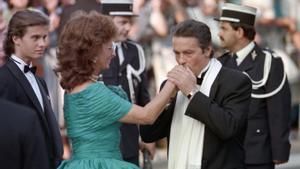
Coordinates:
(187, 134)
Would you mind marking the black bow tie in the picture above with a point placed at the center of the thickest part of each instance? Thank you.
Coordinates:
(31, 69)
(200, 79)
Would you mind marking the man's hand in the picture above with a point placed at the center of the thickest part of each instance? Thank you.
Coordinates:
(183, 78)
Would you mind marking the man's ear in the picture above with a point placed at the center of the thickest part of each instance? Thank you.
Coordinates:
(240, 32)
(207, 52)
(16, 40)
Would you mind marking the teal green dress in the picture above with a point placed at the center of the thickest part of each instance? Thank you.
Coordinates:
(91, 118)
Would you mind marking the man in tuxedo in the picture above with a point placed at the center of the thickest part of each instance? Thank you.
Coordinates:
(267, 138)
(205, 122)
(20, 143)
(26, 40)
(127, 70)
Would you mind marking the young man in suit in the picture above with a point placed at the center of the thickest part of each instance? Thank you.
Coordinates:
(205, 123)
(26, 40)
(267, 138)
(20, 143)
(127, 70)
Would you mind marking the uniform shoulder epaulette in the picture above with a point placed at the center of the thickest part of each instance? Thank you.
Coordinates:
(269, 56)
(272, 52)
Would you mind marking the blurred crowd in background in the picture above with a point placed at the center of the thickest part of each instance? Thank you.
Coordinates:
(277, 25)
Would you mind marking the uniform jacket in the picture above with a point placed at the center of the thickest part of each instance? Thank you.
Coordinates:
(267, 135)
(15, 87)
(117, 75)
(224, 114)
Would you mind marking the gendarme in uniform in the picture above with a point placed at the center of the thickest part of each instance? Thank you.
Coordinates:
(267, 136)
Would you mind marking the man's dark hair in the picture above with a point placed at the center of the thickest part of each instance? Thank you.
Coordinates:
(249, 31)
(195, 29)
(18, 26)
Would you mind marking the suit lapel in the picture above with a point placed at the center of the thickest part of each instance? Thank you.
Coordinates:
(214, 87)
(46, 99)
(52, 123)
(21, 78)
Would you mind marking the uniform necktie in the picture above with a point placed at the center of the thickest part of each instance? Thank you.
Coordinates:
(234, 59)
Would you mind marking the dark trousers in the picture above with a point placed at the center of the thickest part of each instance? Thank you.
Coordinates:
(260, 166)
(133, 160)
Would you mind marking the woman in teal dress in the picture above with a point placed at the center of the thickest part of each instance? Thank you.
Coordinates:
(94, 111)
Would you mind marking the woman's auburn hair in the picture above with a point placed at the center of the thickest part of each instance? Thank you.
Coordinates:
(79, 45)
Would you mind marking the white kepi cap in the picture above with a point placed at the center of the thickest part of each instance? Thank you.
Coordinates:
(117, 7)
(238, 14)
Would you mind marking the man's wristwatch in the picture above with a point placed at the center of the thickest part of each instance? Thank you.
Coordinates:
(192, 93)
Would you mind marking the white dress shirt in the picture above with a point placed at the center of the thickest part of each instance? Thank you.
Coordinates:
(241, 54)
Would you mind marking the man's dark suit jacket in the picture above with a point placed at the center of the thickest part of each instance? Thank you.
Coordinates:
(15, 87)
(20, 143)
(116, 75)
(224, 114)
(267, 136)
